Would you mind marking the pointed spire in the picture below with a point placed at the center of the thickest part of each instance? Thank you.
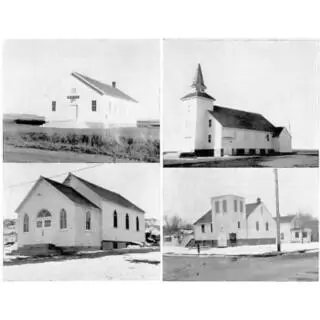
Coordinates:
(198, 82)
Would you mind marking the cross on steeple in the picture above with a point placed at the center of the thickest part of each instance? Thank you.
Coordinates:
(198, 82)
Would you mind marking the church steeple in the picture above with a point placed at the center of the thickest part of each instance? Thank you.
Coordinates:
(198, 82)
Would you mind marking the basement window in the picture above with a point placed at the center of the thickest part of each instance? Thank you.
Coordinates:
(203, 228)
(94, 105)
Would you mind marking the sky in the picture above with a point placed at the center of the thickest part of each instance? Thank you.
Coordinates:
(187, 192)
(139, 183)
(32, 69)
(279, 79)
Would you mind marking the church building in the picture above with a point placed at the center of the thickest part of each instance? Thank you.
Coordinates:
(230, 221)
(212, 130)
(76, 214)
(89, 103)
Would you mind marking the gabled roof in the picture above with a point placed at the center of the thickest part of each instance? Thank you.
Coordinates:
(207, 217)
(109, 195)
(72, 194)
(233, 118)
(101, 87)
(286, 219)
(250, 207)
(277, 131)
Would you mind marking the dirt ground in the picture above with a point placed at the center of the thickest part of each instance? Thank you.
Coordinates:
(299, 159)
(290, 267)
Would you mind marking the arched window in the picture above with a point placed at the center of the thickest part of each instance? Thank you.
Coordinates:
(127, 222)
(137, 223)
(63, 219)
(115, 219)
(26, 223)
(88, 220)
(43, 219)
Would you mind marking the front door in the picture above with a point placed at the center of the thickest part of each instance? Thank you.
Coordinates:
(44, 227)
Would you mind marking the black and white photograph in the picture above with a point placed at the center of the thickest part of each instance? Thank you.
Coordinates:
(64, 222)
(81, 100)
(240, 224)
(240, 103)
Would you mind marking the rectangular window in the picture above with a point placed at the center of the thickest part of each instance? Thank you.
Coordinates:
(39, 224)
(257, 225)
(210, 123)
(209, 138)
(281, 235)
(241, 206)
(239, 225)
(203, 228)
(47, 223)
(304, 234)
(217, 205)
(297, 234)
(94, 105)
(267, 226)
(53, 106)
(235, 205)
(211, 227)
(224, 204)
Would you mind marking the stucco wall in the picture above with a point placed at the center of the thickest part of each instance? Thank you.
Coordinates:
(261, 215)
(45, 196)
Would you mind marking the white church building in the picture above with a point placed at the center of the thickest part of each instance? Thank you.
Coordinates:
(212, 130)
(89, 103)
(76, 214)
(232, 221)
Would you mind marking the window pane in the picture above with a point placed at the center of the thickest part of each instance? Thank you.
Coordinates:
(47, 223)
(39, 224)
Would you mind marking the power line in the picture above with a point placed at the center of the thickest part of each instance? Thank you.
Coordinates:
(54, 176)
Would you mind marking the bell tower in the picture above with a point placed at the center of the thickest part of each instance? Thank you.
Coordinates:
(198, 125)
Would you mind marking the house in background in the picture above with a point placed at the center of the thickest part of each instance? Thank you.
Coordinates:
(9, 232)
(76, 214)
(292, 229)
(230, 221)
(211, 130)
(89, 103)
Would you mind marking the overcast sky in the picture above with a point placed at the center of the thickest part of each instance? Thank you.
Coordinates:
(35, 69)
(187, 191)
(139, 183)
(279, 79)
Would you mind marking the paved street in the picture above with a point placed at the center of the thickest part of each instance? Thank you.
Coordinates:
(291, 267)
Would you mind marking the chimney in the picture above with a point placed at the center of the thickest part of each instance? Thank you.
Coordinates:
(259, 200)
(114, 84)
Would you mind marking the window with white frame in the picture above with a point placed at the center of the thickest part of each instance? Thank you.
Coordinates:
(217, 206)
(63, 219)
(94, 105)
(25, 223)
(203, 228)
(88, 220)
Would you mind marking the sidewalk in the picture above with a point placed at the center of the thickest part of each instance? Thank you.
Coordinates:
(243, 250)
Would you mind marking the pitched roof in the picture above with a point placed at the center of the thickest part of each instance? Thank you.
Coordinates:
(250, 207)
(72, 194)
(101, 87)
(233, 118)
(207, 217)
(109, 195)
(286, 219)
(277, 131)
(198, 94)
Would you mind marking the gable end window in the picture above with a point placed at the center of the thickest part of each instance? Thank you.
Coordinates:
(63, 219)
(203, 228)
(26, 223)
(53, 106)
(137, 224)
(88, 220)
(127, 222)
(94, 105)
(115, 219)
(257, 225)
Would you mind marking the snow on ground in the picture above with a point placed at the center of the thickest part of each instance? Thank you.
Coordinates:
(240, 250)
(105, 268)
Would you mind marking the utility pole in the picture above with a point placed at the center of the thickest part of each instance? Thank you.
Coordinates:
(278, 211)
